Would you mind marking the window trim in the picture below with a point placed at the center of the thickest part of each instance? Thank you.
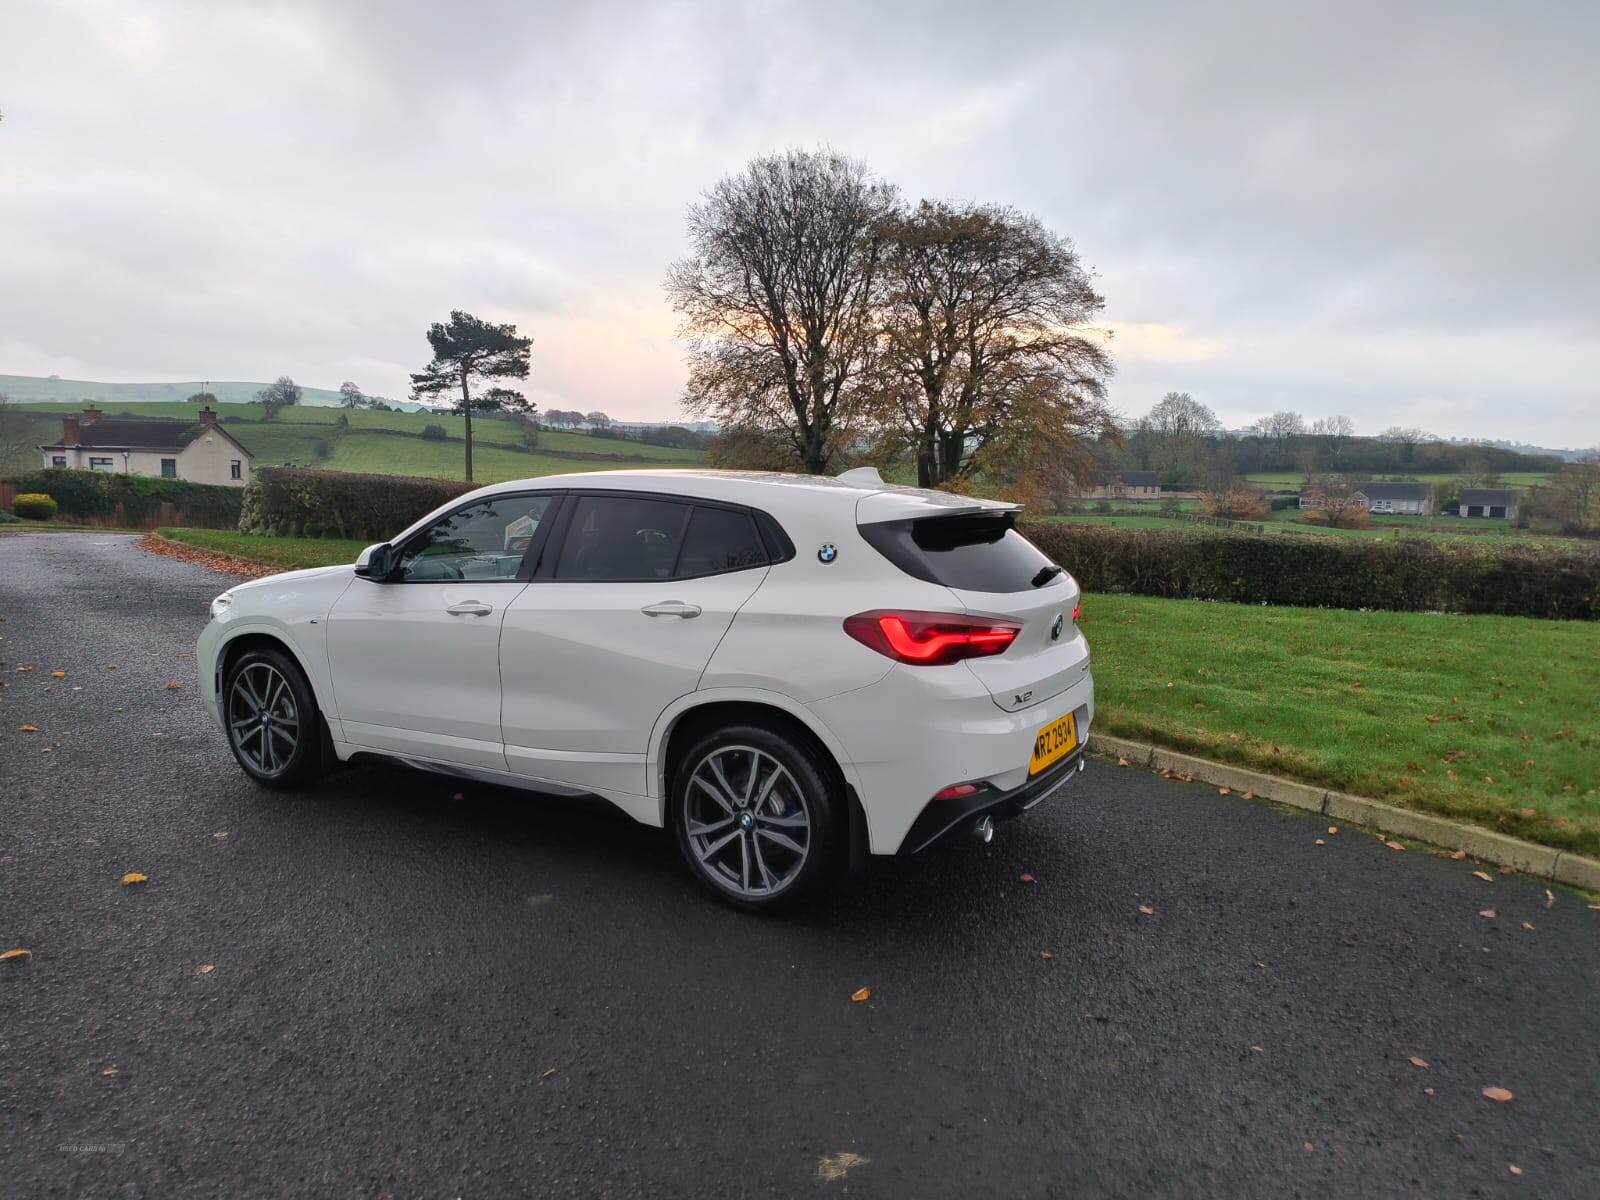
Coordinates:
(97, 463)
(58, 461)
(235, 468)
(534, 551)
(546, 571)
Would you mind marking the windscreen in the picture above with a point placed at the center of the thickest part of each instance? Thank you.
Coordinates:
(975, 552)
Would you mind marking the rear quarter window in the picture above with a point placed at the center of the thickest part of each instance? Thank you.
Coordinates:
(972, 553)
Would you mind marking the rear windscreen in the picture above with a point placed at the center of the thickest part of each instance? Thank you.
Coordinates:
(974, 552)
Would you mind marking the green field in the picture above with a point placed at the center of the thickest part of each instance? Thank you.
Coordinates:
(1488, 719)
(1285, 523)
(1291, 481)
(387, 443)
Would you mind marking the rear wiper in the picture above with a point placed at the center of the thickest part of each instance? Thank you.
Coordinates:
(1046, 574)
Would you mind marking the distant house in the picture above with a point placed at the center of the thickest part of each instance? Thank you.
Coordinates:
(1489, 502)
(1380, 496)
(1124, 485)
(200, 451)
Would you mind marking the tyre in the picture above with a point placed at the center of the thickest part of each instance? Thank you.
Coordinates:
(757, 815)
(271, 717)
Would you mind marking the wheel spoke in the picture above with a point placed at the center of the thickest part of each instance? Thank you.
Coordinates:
(703, 829)
(288, 739)
(794, 820)
(252, 697)
(710, 851)
(767, 880)
(744, 863)
(782, 839)
(722, 779)
(710, 789)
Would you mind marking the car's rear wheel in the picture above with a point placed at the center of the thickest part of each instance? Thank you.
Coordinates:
(756, 815)
(271, 717)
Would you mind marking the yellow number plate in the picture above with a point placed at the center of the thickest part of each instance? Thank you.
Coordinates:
(1055, 741)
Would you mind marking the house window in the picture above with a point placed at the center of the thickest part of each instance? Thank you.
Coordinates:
(58, 460)
(235, 469)
(101, 464)
(169, 468)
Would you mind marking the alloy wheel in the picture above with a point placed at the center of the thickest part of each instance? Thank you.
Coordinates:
(747, 821)
(262, 718)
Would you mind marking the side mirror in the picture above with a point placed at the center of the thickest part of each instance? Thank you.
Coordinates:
(376, 562)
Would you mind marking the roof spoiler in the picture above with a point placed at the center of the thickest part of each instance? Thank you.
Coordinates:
(862, 477)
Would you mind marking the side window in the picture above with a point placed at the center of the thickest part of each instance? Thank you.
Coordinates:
(622, 537)
(720, 539)
(484, 541)
(58, 460)
(169, 468)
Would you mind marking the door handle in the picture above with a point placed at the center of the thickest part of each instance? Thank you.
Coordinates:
(470, 608)
(671, 608)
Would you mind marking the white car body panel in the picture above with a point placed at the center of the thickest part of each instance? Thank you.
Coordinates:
(566, 686)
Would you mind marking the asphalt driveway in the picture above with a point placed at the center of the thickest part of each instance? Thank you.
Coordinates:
(415, 992)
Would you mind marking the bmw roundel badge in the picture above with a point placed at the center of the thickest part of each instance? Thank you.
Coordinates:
(1055, 630)
(827, 552)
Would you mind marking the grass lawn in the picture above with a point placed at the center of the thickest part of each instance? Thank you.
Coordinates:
(388, 455)
(288, 553)
(1290, 481)
(1490, 719)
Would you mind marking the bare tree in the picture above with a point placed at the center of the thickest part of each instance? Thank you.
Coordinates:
(281, 393)
(16, 439)
(351, 396)
(987, 356)
(776, 297)
(1182, 432)
(1573, 496)
(1405, 439)
(1180, 415)
(1337, 499)
(1331, 434)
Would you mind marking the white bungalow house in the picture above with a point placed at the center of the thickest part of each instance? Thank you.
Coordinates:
(200, 451)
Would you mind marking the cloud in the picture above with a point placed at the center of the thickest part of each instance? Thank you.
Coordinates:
(1375, 209)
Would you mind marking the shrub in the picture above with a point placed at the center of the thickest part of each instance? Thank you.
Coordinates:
(1284, 503)
(9, 518)
(1235, 503)
(1102, 506)
(1411, 575)
(434, 433)
(135, 499)
(1171, 506)
(294, 502)
(36, 506)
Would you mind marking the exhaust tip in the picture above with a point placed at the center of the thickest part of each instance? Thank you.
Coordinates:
(984, 830)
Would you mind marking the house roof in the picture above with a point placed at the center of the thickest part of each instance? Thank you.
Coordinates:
(140, 433)
(1142, 478)
(1388, 489)
(1488, 495)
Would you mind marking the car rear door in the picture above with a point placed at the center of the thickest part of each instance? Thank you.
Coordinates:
(634, 593)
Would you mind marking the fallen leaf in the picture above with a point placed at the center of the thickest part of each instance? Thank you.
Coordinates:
(1549, 898)
(1122, 762)
(1147, 910)
(111, 666)
(109, 1072)
(16, 955)
(833, 1167)
(27, 729)
(861, 994)
(1224, 791)
(1394, 845)
(1503, 1095)
(1258, 1049)
(1025, 877)
(220, 835)
(173, 685)
(58, 674)
(1333, 829)
(1487, 912)
(133, 877)
(1514, 1169)
(1458, 855)
(1528, 925)
(457, 796)
(550, 1072)
(1249, 795)
(1592, 907)
(205, 969)
(1483, 875)
(1321, 842)
(1308, 1146)
(1418, 1062)
(1427, 1091)
(24, 669)
(1045, 954)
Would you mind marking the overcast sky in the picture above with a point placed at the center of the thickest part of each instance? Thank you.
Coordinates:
(1386, 211)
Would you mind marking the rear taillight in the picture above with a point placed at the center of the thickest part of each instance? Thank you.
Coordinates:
(1077, 609)
(929, 639)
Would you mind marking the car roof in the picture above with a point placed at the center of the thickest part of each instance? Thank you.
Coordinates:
(775, 490)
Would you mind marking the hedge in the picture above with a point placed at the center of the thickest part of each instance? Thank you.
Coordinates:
(135, 499)
(36, 506)
(298, 502)
(1327, 572)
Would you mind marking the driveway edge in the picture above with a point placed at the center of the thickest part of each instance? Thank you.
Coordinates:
(1562, 866)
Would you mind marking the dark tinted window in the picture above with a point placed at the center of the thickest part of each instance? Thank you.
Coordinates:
(720, 539)
(622, 537)
(980, 553)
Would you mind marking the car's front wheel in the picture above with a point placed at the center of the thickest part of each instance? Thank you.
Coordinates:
(271, 718)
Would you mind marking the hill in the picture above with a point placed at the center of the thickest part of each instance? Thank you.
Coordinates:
(385, 443)
(30, 389)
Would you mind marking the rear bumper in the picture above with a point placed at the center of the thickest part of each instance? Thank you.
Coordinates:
(921, 729)
(944, 817)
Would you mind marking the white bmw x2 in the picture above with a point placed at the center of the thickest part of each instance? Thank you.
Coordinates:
(789, 671)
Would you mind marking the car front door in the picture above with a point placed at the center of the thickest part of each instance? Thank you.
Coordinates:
(415, 658)
(634, 594)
